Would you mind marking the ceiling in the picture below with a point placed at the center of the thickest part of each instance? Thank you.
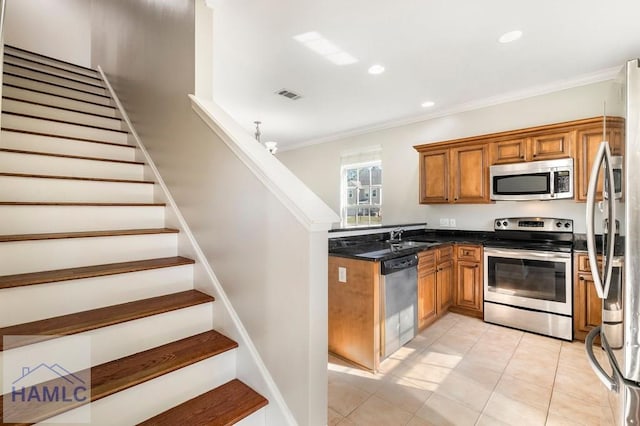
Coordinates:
(445, 51)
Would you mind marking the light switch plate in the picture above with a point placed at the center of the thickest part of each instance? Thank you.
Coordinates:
(342, 274)
(452, 222)
(444, 222)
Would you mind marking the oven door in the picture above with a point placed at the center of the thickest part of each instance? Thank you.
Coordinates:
(538, 280)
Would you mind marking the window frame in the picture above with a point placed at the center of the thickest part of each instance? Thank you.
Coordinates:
(344, 195)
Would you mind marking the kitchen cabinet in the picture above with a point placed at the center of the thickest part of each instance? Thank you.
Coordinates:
(435, 284)
(455, 175)
(535, 147)
(427, 303)
(468, 278)
(354, 311)
(587, 309)
(588, 141)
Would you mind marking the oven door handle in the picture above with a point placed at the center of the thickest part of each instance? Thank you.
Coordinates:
(601, 281)
(533, 255)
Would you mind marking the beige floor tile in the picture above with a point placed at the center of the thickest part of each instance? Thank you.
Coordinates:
(556, 420)
(432, 355)
(417, 421)
(541, 342)
(488, 360)
(344, 398)
(403, 393)
(378, 412)
(477, 373)
(514, 412)
(525, 392)
(426, 376)
(453, 345)
(578, 410)
(531, 371)
(333, 417)
(363, 380)
(583, 385)
(466, 391)
(442, 411)
(346, 422)
(486, 420)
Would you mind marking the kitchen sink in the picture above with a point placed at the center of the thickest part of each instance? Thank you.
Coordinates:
(407, 244)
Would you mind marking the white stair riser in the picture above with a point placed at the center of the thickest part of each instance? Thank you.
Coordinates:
(63, 129)
(10, 105)
(44, 255)
(70, 190)
(66, 297)
(21, 219)
(36, 58)
(157, 395)
(51, 70)
(57, 101)
(55, 90)
(11, 162)
(256, 419)
(119, 340)
(57, 145)
(41, 76)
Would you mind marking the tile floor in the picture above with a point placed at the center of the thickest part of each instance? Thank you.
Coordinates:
(462, 371)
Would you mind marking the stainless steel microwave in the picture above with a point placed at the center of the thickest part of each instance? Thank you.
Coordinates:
(534, 180)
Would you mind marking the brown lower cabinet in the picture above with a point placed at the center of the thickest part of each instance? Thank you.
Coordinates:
(435, 284)
(468, 280)
(587, 306)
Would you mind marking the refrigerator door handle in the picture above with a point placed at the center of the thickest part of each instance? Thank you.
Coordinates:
(601, 282)
(609, 382)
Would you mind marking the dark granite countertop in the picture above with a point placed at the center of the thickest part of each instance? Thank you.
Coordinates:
(376, 247)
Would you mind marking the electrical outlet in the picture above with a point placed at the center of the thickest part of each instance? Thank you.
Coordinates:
(342, 274)
(452, 222)
(444, 222)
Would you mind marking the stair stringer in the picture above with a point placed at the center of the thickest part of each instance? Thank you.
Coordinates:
(249, 363)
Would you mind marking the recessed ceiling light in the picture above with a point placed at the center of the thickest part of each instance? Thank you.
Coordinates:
(376, 69)
(510, 36)
(428, 104)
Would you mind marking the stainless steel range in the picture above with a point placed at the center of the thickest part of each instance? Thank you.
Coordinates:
(527, 275)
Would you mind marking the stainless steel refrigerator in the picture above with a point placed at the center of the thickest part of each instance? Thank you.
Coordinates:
(617, 280)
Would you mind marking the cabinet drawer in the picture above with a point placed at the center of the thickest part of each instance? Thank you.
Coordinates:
(469, 253)
(583, 263)
(444, 253)
(426, 261)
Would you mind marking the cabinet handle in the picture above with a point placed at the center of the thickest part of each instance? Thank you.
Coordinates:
(476, 267)
(581, 278)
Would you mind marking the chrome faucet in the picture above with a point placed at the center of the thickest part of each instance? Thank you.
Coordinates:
(396, 234)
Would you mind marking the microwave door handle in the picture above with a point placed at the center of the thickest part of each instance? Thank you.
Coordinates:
(591, 207)
(610, 230)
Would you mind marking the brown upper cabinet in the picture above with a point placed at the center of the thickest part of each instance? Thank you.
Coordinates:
(455, 175)
(588, 140)
(548, 146)
(457, 171)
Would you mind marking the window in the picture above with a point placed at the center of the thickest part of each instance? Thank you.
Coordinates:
(362, 194)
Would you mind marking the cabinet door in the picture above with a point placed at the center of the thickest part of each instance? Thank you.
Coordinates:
(444, 286)
(470, 174)
(434, 176)
(588, 141)
(469, 285)
(588, 309)
(551, 146)
(427, 311)
(509, 151)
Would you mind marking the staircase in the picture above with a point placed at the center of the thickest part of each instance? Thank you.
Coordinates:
(84, 251)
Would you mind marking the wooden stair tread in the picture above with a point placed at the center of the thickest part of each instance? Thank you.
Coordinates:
(85, 234)
(38, 331)
(56, 95)
(121, 374)
(19, 280)
(55, 120)
(62, 86)
(48, 57)
(93, 114)
(224, 405)
(75, 157)
(11, 56)
(24, 67)
(29, 175)
(73, 138)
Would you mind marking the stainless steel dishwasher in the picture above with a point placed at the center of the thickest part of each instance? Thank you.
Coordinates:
(399, 304)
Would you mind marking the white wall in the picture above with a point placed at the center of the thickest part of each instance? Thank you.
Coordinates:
(270, 266)
(58, 28)
(319, 165)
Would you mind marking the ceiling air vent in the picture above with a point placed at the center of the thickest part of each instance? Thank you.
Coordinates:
(288, 94)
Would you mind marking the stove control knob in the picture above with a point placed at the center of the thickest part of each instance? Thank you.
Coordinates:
(567, 225)
(558, 224)
(498, 223)
(505, 223)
